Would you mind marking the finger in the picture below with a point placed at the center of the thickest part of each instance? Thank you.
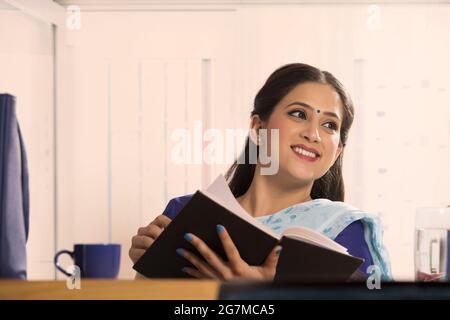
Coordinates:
(136, 254)
(193, 272)
(232, 252)
(141, 242)
(162, 221)
(272, 259)
(210, 256)
(151, 230)
(199, 264)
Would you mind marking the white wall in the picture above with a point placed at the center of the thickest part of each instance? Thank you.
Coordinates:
(26, 71)
(128, 95)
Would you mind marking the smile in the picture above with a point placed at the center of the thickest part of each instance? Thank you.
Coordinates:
(305, 155)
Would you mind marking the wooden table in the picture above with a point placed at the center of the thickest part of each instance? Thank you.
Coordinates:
(111, 289)
(177, 289)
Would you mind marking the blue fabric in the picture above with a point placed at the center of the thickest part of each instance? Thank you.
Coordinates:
(14, 193)
(352, 237)
(355, 230)
(175, 205)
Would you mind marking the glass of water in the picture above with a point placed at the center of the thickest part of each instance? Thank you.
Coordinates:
(432, 239)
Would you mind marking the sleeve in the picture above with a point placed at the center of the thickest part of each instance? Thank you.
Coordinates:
(175, 205)
(352, 237)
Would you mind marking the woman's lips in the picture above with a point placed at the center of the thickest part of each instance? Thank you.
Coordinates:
(303, 157)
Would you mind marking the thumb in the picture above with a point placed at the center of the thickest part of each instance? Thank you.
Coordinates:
(272, 259)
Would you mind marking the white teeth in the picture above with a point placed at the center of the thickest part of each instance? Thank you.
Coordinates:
(304, 152)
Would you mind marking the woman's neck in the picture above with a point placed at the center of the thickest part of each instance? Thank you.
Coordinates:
(267, 194)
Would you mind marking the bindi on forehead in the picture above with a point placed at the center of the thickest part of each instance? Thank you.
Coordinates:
(317, 110)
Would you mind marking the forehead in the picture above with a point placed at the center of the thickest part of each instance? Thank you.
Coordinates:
(317, 95)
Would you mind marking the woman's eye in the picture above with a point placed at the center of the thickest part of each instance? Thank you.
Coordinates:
(331, 125)
(302, 114)
(298, 114)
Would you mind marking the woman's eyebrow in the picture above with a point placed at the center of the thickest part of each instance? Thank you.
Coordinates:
(331, 114)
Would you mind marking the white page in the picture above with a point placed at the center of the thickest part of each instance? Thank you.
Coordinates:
(220, 192)
(314, 237)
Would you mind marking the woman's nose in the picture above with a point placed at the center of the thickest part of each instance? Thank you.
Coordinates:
(311, 134)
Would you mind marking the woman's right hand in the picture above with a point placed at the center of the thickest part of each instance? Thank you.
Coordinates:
(146, 236)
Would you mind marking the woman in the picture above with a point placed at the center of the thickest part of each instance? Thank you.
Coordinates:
(313, 115)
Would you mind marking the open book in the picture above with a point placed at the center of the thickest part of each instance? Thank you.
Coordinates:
(307, 255)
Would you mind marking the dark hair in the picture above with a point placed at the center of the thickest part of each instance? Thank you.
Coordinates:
(278, 85)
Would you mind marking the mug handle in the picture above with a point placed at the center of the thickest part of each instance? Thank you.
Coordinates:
(57, 264)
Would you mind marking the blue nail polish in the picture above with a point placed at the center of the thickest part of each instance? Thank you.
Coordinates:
(220, 228)
(180, 252)
(188, 237)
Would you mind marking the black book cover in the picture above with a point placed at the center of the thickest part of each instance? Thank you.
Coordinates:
(200, 216)
(301, 261)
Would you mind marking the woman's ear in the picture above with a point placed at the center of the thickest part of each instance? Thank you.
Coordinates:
(255, 124)
(338, 152)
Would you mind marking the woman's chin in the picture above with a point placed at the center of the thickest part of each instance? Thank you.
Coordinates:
(302, 176)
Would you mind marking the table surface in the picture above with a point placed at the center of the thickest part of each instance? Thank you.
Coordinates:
(111, 289)
(186, 289)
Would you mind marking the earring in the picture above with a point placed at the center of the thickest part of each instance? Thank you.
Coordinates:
(260, 140)
(254, 136)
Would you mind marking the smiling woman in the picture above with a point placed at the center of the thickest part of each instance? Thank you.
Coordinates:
(312, 114)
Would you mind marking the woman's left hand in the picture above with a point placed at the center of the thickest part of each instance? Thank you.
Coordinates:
(215, 267)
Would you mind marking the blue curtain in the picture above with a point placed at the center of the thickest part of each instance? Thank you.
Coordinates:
(14, 193)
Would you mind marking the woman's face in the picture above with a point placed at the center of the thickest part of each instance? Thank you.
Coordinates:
(309, 119)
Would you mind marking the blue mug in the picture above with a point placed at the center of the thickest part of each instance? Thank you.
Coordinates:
(94, 260)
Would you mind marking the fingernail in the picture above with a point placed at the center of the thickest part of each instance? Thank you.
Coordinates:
(185, 269)
(188, 237)
(180, 252)
(220, 228)
(278, 250)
